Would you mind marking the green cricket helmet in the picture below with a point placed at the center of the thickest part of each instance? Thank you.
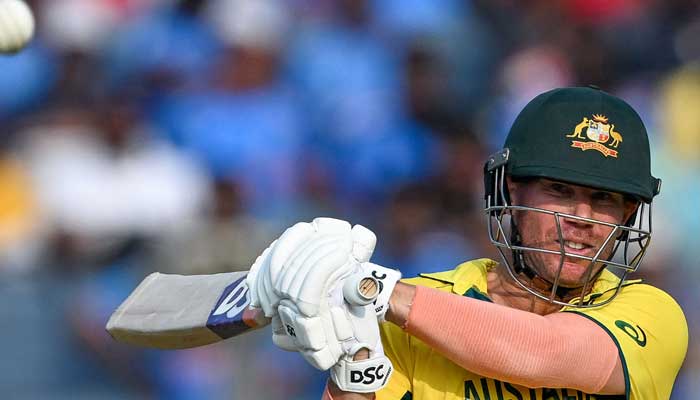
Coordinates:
(582, 136)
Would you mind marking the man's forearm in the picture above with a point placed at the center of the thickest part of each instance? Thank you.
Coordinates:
(506, 343)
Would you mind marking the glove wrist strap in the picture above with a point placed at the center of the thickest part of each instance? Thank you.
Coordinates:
(362, 376)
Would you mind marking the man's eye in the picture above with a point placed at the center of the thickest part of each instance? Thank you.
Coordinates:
(558, 189)
(604, 196)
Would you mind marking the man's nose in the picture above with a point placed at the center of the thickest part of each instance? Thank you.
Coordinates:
(583, 209)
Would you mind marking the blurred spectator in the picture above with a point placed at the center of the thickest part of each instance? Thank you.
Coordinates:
(527, 73)
(351, 91)
(676, 254)
(154, 53)
(103, 173)
(92, 22)
(349, 79)
(224, 239)
(27, 79)
(417, 236)
(19, 216)
(245, 125)
(409, 18)
(679, 165)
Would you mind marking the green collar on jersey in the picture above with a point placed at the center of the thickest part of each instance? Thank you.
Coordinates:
(473, 274)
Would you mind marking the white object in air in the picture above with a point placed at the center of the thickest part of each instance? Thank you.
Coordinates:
(16, 25)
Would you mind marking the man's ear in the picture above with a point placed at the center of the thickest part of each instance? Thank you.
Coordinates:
(630, 207)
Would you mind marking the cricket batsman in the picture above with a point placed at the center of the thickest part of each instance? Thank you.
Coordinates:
(568, 201)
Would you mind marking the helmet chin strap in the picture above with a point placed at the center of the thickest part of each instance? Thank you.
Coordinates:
(538, 282)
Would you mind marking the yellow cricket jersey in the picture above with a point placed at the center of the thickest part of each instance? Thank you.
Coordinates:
(645, 323)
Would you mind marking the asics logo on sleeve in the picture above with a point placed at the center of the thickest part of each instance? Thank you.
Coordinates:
(635, 332)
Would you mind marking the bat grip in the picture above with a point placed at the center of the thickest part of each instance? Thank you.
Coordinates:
(360, 289)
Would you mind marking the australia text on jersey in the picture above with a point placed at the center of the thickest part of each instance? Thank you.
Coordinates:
(481, 390)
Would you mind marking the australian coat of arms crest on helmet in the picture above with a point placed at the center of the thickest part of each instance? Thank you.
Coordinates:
(595, 133)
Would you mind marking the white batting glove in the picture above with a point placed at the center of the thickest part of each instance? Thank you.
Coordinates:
(262, 273)
(259, 279)
(259, 298)
(266, 299)
(307, 273)
(331, 339)
(280, 261)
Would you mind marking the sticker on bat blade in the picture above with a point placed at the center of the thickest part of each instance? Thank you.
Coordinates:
(231, 316)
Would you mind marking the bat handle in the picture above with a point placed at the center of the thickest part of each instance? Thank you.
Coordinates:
(360, 289)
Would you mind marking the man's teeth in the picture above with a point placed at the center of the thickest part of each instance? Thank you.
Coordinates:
(574, 245)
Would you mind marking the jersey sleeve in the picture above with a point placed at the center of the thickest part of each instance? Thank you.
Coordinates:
(651, 333)
(397, 347)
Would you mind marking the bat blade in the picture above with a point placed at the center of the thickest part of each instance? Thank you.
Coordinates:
(169, 311)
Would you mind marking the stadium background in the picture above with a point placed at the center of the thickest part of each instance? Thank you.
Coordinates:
(182, 136)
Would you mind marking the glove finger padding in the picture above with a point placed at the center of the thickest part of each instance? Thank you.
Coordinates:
(331, 226)
(267, 266)
(322, 252)
(325, 258)
(253, 273)
(288, 243)
(263, 271)
(297, 238)
(364, 242)
(260, 296)
(322, 261)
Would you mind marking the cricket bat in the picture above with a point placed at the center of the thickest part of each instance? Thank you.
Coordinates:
(168, 311)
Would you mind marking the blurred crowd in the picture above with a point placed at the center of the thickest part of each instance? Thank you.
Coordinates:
(183, 136)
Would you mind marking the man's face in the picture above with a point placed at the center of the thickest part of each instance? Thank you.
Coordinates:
(539, 230)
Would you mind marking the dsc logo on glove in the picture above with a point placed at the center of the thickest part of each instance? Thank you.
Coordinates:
(368, 376)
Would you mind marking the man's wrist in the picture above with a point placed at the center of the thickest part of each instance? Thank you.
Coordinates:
(400, 304)
(337, 394)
